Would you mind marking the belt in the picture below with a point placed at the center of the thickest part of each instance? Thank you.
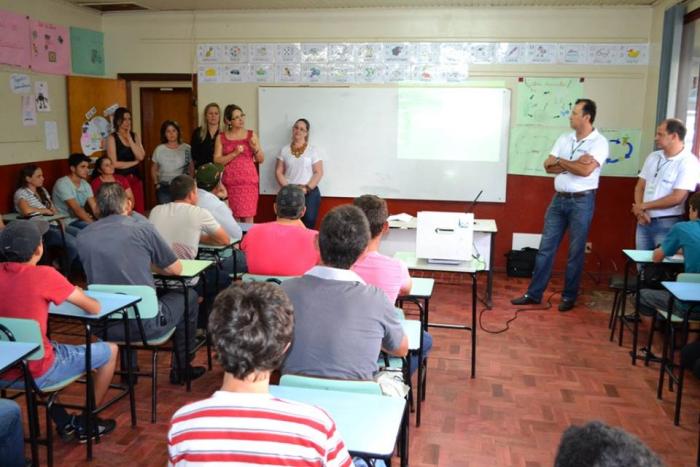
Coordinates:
(675, 216)
(578, 194)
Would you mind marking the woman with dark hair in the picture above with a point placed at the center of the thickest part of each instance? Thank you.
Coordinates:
(32, 199)
(204, 136)
(238, 150)
(125, 150)
(104, 173)
(301, 163)
(170, 158)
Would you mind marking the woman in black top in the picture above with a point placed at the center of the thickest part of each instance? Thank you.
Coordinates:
(203, 138)
(126, 151)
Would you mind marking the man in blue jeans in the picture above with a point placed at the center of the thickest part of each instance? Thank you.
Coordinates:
(576, 159)
(11, 435)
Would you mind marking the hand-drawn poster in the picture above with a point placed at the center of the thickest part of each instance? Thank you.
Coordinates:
(529, 147)
(625, 157)
(87, 51)
(547, 101)
(94, 135)
(20, 83)
(51, 135)
(15, 46)
(41, 96)
(28, 110)
(50, 48)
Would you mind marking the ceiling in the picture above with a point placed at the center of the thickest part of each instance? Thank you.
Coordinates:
(107, 6)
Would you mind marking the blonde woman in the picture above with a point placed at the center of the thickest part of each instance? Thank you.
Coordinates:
(204, 136)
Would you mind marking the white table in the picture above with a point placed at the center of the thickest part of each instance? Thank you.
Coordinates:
(369, 424)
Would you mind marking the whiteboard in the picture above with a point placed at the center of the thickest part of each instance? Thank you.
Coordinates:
(424, 143)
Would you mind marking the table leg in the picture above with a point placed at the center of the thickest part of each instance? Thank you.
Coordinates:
(623, 306)
(129, 368)
(635, 325)
(489, 279)
(185, 366)
(33, 416)
(89, 391)
(419, 385)
(473, 326)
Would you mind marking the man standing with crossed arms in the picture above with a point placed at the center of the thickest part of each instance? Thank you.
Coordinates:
(576, 160)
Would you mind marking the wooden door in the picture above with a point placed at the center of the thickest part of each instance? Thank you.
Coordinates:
(158, 105)
(88, 96)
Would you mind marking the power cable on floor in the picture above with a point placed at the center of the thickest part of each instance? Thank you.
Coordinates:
(548, 306)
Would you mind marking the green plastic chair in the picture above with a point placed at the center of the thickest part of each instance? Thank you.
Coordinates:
(263, 278)
(308, 382)
(28, 330)
(147, 308)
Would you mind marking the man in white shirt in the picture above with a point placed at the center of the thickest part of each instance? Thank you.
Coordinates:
(667, 177)
(576, 160)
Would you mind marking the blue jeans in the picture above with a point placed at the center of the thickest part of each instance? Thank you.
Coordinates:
(563, 213)
(53, 238)
(413, 359)
(652, 235)
(313, 203)
(11, 434)
(75, 227)
(163, 193)
(70, 361)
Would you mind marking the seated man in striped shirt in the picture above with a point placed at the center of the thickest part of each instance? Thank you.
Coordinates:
(251, 326)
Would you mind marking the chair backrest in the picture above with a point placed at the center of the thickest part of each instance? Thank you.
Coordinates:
(362, 387)
(688, 277)
(148, 306)
(262, 278)
(24, 330)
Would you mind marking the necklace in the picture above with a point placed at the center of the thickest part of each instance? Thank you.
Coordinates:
(660, 166)
(297, 152)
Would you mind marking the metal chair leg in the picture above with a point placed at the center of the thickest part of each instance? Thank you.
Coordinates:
(154, 385)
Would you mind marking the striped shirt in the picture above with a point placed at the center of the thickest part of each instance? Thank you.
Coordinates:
(254, 429)
(31, 198)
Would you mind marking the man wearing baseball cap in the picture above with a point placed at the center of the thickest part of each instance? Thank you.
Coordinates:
(284, 247)
(27, 290)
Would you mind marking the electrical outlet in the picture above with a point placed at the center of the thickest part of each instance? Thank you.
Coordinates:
(589, 247)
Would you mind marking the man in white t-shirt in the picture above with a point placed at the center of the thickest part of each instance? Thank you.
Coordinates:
(183, 224)
(667, 177)
(576, 159)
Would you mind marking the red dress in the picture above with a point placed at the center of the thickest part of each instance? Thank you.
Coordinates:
(240, 177)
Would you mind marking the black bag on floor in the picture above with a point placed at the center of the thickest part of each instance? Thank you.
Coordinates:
(521, 263)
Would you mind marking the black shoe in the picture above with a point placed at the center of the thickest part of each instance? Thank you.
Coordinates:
(76, 429)
(67, 433)
(525, 300)
(566, 305)
(195, 372)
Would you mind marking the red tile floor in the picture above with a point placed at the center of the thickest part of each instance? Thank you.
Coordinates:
(548, 371)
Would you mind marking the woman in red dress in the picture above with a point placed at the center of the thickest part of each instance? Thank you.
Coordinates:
(238, 150)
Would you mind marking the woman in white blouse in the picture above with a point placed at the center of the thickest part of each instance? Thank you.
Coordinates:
(300, 163)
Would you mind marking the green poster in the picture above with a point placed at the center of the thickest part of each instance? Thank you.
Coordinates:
(87, 52)
(624, 159)
(529, 147)
(546, 101)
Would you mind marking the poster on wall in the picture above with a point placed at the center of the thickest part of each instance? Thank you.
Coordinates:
(28, 110)
(41, 96)
(20, 83)
(87, 51)
(94, 135)
(15, 46)
(50, 48)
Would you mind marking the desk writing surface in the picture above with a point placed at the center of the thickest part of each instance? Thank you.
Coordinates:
(369, 424)
(646, 256)
(13, 216)
(207, 247)
(193, 267)
(412, 328)
(109, 303)
(684, 291)
(12, 352)
(421, 287)
(409, 257)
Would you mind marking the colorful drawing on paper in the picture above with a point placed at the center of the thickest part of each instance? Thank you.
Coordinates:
(625, 157)
(41, 96)
(547, 101)
(94, 135)
(15, 46)
(529, 147)
(87, 51)
(50, 48)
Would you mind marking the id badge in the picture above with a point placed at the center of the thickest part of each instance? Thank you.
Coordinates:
(649, 190)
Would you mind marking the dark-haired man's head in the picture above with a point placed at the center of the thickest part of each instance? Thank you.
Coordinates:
(597, 444)
(343, 236)
(376, 211)
(694, 206)
(251, 326)
(79, 165)
(290, 202)
(183, 188)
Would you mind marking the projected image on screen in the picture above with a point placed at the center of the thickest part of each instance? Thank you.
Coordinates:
(455, 124)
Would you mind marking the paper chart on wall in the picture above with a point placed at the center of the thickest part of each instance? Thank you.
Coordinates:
(28, 110)
(41, 96)
(94, 135)
(546, 101)
(50, 48)
(209, 73)
(15, 46)
(529, 147)
(20, 83)
(625, 156)
(51, 135)
(87, 51)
